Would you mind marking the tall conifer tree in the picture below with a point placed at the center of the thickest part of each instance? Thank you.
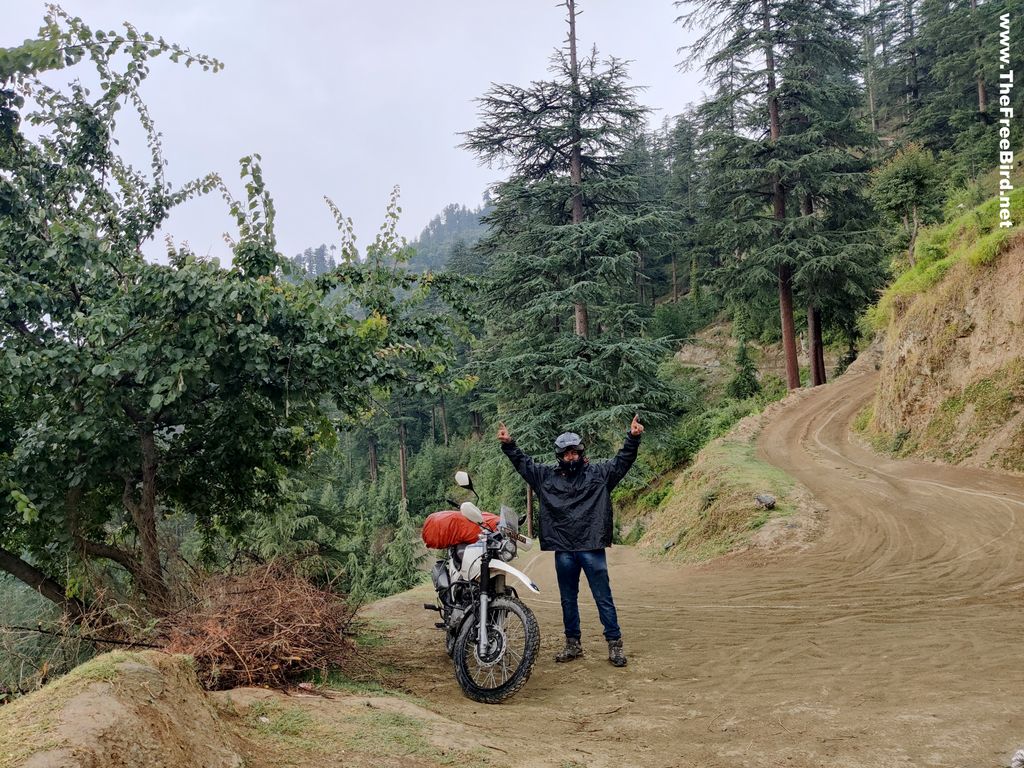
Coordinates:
(789, 155)
(564, 348)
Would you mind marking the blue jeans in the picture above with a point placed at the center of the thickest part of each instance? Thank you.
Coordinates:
(594, 563)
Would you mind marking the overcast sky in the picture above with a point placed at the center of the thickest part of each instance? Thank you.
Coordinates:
(347, 99)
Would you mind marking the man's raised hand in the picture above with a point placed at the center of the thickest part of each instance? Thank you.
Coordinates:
(636, 428)
(503, 434)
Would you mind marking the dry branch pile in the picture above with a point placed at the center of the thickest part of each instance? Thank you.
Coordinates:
(266, 626)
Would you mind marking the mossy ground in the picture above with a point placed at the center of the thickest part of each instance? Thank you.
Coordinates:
(29, 724)
(712, 510)
(961, 423)
(972, 236)
(293, 735)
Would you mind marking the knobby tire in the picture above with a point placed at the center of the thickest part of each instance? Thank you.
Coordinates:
(518, 617)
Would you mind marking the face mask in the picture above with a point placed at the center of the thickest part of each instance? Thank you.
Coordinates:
(570, 467)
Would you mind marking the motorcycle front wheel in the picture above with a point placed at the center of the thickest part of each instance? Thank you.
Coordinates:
(513, 641)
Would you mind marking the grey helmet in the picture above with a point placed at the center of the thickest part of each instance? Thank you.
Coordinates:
(568, 440)
(565, 442)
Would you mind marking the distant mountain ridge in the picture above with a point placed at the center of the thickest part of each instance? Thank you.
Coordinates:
(455, 228)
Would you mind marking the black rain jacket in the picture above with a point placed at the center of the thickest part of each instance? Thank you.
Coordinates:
(576, 512)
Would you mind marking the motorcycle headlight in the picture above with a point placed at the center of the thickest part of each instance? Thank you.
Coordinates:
(507, 551)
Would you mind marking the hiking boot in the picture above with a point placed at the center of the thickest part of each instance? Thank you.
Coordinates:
(573, 650)
(615, 654)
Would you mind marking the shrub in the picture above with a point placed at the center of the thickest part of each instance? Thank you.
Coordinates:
(266, 626)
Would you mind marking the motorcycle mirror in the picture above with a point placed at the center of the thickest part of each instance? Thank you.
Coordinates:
(470, 511)
(463, 479)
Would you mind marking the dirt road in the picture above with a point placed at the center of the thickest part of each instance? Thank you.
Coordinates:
(896, 638)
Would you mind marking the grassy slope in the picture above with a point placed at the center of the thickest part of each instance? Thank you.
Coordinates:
(29, 724)
(710, 508)
(972, 236)
(955, 262)
(361, 725)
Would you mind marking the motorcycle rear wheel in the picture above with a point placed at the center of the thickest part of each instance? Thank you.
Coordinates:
(514, 639)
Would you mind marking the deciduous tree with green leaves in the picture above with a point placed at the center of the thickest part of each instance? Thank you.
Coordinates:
(137, 391)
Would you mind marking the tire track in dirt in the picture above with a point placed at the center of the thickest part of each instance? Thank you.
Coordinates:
(896, 638)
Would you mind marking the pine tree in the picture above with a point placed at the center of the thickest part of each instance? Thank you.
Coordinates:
(744, 382)
(564, 346)
(403, 556)
(958, 52)
(790, 158)
(739, 32)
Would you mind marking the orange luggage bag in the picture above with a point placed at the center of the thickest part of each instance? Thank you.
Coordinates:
(449, 528)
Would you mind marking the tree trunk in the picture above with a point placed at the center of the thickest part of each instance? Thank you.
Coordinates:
(576, 162)
(775, 125)
(529, 511)
(814, 353)
(374, 466)
(52, 590)
(675, 280)
(444, 421)
(884, 30)
(912, 228)
(143, 513)
(982, 97)
(694, 285)
(815, 347)
(869, 68)
(819, 346)
(640, 294)
(913, 87)
(477, 425)
(779, 212)
(401, 456)
(788, 327)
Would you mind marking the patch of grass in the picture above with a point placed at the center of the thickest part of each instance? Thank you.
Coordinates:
(372, 633)
(712, 508)
(707, 498)
(986, 249)
(392, 734)
(271, 719)
(276, 727)
(759, 520)
(103, 668)
(897, 444)
(964, 420)
(364, 733)
(336, 680)
(973, 236)
(653, 499)
(993, 397)
(1012, 454)
(864, 418)
(635, 534)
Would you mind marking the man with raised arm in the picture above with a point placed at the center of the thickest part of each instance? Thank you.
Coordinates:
(576, 523)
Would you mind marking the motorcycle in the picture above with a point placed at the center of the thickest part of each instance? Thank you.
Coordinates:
(491, 635)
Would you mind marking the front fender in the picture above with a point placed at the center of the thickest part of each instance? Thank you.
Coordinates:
(501, 565)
